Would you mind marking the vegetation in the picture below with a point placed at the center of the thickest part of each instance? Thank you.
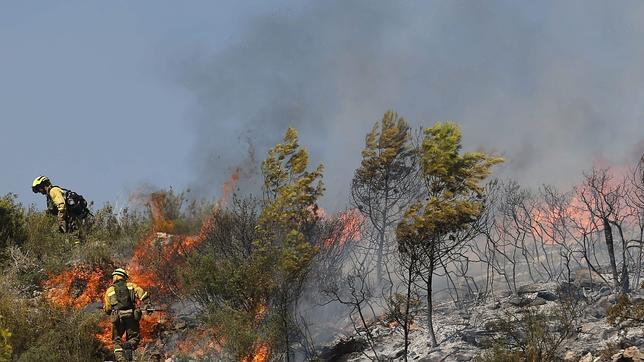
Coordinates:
(252, 265)
(626, 312)
(532, 336)
(31, 327)
(250, 272)
(433, 229)
(386, 182)
(12, 222)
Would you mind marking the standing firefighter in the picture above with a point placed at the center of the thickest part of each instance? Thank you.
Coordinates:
(69, 207)
(120, 304)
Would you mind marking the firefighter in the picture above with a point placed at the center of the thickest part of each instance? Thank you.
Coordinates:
(69, 207)
(55, 200)
(120, 303)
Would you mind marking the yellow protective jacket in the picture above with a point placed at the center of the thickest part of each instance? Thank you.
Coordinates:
(136, 292)
(56, 199)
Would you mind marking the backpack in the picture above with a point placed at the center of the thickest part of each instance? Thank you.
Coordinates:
(76, 204)
(123, 297)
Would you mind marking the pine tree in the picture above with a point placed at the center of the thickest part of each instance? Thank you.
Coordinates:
(385, 182)
(291, 195)
(433, 228)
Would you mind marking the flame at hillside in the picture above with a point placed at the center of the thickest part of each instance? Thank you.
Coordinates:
(346, 226)
(151, 266)
(76, 287)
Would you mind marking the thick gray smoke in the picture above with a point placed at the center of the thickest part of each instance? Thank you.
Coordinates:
(553, 86)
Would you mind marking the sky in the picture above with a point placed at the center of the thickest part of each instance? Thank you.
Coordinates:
(111, 98)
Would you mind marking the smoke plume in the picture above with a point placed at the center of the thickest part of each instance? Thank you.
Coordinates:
(552, 86)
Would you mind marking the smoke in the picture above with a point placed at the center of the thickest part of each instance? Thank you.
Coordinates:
(552, 86)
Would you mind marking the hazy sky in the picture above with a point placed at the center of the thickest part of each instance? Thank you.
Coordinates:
(105, 97)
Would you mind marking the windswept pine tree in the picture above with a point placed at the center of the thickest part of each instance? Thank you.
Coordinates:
(433, 228)
(386, 181)
(291, 195)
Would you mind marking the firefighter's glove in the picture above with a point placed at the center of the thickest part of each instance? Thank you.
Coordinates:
(62, 224)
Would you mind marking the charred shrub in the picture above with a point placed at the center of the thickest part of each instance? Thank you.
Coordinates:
(626, 312)
(607, 353)
(531, 335)
(227, 281)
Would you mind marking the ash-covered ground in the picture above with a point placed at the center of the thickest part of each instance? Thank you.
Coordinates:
(465, 330)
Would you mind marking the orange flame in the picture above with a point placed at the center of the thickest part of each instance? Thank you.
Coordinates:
(82, 285)
(76, 287)
(350, 222)
(199, 345)
(260, 354)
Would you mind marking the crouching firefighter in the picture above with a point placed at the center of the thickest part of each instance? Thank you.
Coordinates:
(69, 207)
(120, 303)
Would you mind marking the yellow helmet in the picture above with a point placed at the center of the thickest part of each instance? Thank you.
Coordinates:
(39, 182)
(120, 272)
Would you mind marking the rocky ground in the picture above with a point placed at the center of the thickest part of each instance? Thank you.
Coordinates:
(462, 332)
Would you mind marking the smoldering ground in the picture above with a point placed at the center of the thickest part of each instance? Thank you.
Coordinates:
(552, 86)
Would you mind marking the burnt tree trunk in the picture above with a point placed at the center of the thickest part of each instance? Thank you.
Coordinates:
(410, 273)
(381, 236)
(625, 282)
(608, 233)
(430, 321)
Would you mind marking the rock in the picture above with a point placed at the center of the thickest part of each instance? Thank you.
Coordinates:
(180, 325)
(475, 337)
(398, 354)
(588, 357)
(547, 295)
(589, 328)
(494, 306)
(463, 357)
(519, 301)
(599, 308)
(536, 302)
(634, 354)
(604, 291)
(588, 278)
(342, 348)
(536, 287)
(630, 354)
(570, 291)
(570, 356)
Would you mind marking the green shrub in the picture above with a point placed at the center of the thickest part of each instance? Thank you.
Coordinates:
(5, 347)
(12, 221)
(44, 242)
(41, 332)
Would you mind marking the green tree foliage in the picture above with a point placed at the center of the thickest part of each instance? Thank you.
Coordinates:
(12, 221)
(5, 347)
(291, 196)
(432, 229)
(249, 272)
(385, 182)
(288, 214)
